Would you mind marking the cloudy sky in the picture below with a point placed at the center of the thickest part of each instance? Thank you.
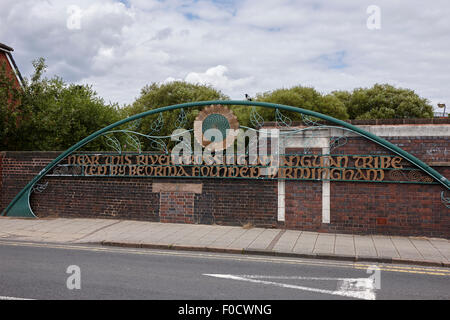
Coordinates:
(237, 46)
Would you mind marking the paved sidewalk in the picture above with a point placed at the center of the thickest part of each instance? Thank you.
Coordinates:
(414, 250)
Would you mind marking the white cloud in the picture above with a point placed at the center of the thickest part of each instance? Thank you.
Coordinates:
(238, 46)
(216, 76)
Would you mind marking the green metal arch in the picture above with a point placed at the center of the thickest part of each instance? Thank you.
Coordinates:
(20, 205)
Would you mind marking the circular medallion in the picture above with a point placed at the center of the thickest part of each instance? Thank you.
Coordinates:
(215, 117)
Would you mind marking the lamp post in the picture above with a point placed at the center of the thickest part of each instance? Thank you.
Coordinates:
(442, 105)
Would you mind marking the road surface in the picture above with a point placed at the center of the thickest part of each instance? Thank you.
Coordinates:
(54, 271)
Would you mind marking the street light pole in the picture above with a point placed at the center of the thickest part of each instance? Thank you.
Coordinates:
(442, 105)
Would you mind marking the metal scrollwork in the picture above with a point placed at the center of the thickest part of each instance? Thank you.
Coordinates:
(131, 139)
(309, 122)
(336, 142)
(66, 170)
(417, 175)
(181, 121)
(156, 142)
(134, 125)
(20, 205)
(397, 175)
(256, 119)
(412, 175)
(39, 187)
(61, 170)
(445, 200)
(156, 125)
(112, 142)
(281, 119)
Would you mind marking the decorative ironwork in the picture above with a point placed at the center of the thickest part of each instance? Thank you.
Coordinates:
(445, 200)
(157, 125)
(336, 142)
(417, 175)
(256, 119)
(309, 122)
(215, 117)
(39, 187)
(181, 121)
(66, 170)
(356, 168)
(131, 138)
(281, 119)
(411, 175)
(157, 143)
(112, 142)
(134, 142)
(19, 206)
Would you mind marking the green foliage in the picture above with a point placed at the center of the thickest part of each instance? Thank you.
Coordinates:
(303, 97)
(10, 107)
(55, 115)
(49, 114)
(383, 101)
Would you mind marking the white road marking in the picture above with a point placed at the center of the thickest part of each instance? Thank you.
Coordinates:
(360, 288)
(254, 276)
(12, 298)
(297, 261)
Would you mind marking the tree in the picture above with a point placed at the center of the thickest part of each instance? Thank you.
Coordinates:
(10, 107)
(384, 101)
(54, 115)
(306, 98)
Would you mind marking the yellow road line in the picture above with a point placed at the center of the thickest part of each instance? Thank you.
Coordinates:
(412, 268)
(384, 268)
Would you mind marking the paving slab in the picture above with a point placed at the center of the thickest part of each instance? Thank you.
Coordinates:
(344, 245)
(287, 241)
(427, 250)
(325, 244)
(137, 232)
(174, 234)
(48, 226)
(406, 249)
(305, 243)
(264, 239)
(212, 236)
(155, 234)
(385, 247)
(364, 246)
(246, 239)
(96, 233)
(227, 238)
(195, 237)
(443, 246)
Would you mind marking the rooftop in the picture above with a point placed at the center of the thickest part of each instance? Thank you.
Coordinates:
(5, 47)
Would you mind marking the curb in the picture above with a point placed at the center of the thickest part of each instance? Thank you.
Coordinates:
(279, 254)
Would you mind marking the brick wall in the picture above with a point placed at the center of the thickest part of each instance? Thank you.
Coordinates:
(369, 208)
(1, 174)
(222, 201)
(359, 207)
(376, 208)
(428, 149)
(18, 168)
(176, 207)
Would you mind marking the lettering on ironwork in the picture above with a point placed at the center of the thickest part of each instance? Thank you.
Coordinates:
(296, 167)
